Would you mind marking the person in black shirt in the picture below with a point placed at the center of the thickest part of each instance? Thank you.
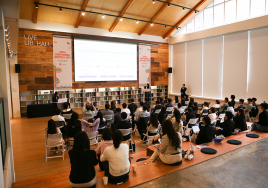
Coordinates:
(206, 133)
(147, 103)
(183, 91)
(162, 115)
(241, 101)
(82, 161)
(232, 100)
(157, 106)
(227, 126)
(132, 107)
(161, 101)
(74, 125)
(262, 124)
(240, 120)
(55, 99)
(117, 118)
(124, 124)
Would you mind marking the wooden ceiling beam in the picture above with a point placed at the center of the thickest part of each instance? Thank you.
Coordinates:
(35, 13)
(84, 6)
(184, 18)
(120, 14)
(154, 17)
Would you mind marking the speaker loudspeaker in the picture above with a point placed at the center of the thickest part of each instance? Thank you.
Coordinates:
(17, 68)
(170, 70)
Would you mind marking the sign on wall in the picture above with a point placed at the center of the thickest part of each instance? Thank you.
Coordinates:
(62, 63)
(144, 65)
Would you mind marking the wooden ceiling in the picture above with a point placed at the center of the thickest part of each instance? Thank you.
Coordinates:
(137, 9)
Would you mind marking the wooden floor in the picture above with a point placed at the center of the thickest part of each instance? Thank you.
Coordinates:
(28, 139)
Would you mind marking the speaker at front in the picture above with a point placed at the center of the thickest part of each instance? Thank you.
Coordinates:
(169, 69)
(17, 68)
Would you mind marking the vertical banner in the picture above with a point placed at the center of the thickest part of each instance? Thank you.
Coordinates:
(144, 65)
(62, 63)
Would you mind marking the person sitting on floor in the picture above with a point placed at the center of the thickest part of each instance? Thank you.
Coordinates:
(152, 127)
(89, 111)
(212, 115)
(125, 109)
(249, 106)
(206, 133)
(254, 111)
(241, 101)
(232, 101)
(223, 108)
(116, 159)
(262, 124)
(74, 125)
(124, 124)
(82, 160)
(117, 118)
(227, 126)
(230, 108)
(106, 141)
(240, 120)
(176, 121)
(170, 149)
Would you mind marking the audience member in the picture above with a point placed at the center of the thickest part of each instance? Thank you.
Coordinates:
(106, 141)
(206, 133)
(124, 124)
(170, 149)
(169, 103)
(217, 104)
(240, 120)
(117, 118)
(230, 108)
(180, 108)
(254, 111)
(52, 130)
(183, 102)
(74, 125)
(191, 103)
(176, 121)
(107, 111)
(82, 160)
(223, 108)
(57, 116)
(186, 97)
(113, 106)
(89, 111)
(116, 159)
(189, 115)
(195, 107)
(143, 113)
(147, 103)
(249, 106)
(262, 124)
(141, 107)
(67, 109)
(205, 109)
(125, 109)
(161, 101)
(162, 115)
(241, 101)
(227, 126)
(232, 101)
(157, 106)
(152, 128)
(212, 115)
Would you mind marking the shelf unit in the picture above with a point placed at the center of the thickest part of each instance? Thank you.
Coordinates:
(100, 96)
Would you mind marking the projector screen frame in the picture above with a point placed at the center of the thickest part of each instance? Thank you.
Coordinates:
(105, 40)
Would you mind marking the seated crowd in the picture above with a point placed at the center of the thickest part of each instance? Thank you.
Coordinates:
(167, 127)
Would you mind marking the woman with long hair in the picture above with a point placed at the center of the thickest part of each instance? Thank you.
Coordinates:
(262, 124)
(74, 125)
(113, 106)
(169, 151)
(176, 121)
(116, 159)
(153, 126)
(240, 120)
(162, 115)
(82, 160)
(53, 137)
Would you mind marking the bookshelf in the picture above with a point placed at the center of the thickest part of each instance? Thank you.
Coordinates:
(100, 96)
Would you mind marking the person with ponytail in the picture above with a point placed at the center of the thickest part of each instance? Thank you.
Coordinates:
(170, 150)
(82, 160)
(116, 159)
(262, 124)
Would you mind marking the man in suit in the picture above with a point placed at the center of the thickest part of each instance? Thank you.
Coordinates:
(223, 108)
(241, 101)
(227, 126)
(183, 90)
(117, 118)
(124, 124)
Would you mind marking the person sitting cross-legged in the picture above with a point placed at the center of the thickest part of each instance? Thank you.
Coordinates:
(262, 124)
(227, 126)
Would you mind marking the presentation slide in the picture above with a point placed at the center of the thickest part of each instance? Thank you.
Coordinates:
(104, 61)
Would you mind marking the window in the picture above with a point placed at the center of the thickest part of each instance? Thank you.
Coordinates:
(218, 2)
(208, 18)
(230, 11)
(219, 15)
(266, 6)
(199, 21)
(257, 8)
(190, 26)
(242, 10)
(182, 30)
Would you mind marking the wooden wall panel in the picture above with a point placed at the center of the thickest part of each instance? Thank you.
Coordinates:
(37, 64)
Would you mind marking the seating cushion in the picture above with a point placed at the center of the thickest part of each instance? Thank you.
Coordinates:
(141, 159)
(235, 142)
(118, 181)
(174, 164)
(253, 135)
(208, 151)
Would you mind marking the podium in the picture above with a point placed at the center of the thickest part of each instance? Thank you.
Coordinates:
(60, 103)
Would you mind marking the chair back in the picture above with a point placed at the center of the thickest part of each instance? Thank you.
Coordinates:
(59, 124)
(93, 137)
(193, 121)
(170, 110)
(125, 132)
(67, 116)
(143, 122)
(102, 110)
(157, 111)
(187, 103)
(108, 117)
(54, 139)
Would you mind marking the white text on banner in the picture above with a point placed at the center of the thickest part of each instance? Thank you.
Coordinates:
(144, 65)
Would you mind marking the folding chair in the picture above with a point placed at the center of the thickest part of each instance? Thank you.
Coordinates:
(221, 117)
(126, 132)
(53, 141)
(150, 138)
(93, 138)
(59, 124)
(109, 119)
(67, 117)
(170, 110)
(157, 111)
(187, 129)
(187, 103)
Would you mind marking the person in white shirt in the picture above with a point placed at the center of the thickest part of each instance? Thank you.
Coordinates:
(116, 159)
(57, 116)
(205, 109)
(125, 109)
(143, 113)
(217, 104)
(89, 111)
(213, 115)
(230, 108)
(140, 108)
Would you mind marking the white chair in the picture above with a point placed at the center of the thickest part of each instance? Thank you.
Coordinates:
(187, 103)
(126, 132)
(67, 116)
(157, 111)
(53, 141)
(170, 110)
(221, 117)
(93, 138)
(59, 124)
(187, 130)
(109, 119)
(151, 138)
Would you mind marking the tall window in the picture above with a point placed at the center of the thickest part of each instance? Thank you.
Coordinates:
(222, 12)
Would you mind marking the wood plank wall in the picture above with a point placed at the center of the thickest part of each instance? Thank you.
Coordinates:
(37, 63)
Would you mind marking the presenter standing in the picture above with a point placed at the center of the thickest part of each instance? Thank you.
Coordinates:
(183, 91)
(55, 99)
(147, 94)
